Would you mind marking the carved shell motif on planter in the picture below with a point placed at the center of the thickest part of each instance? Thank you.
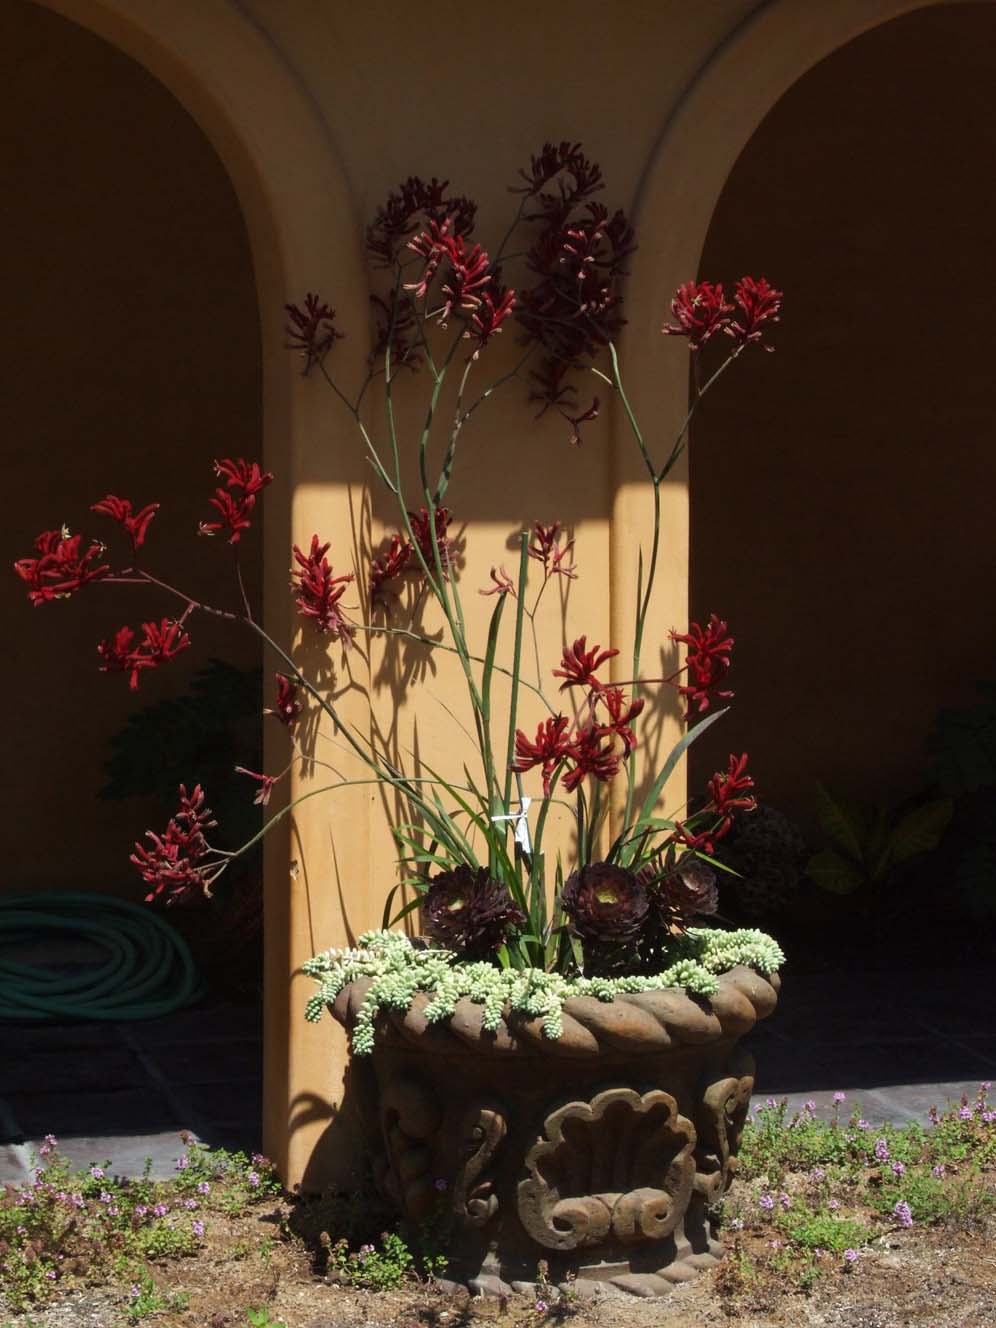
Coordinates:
(619, 1166)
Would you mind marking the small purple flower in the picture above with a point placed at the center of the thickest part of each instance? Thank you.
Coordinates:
(902, 1213)
(51, 1275)
(440, 1183)
(182, 1163)
(810, 1106)
(839, 1097)
(882, 1150)
(253, 1179)
(160, 1210)
(198, 1227)
(850, 1256)
(113, 1210)
(989, 1117)
(898, 1169)
(785, 1202)
(203, 1187)
(136, 1291)
(52, 1142)
(97, 1173)
(140, 1210)
(817, 1174)
(938, 1171)
(541, 1306)
(191, 1204)
(767, 1202)
(833, 1205)
(965, 1113)
(105, 1198)
(862, 1124)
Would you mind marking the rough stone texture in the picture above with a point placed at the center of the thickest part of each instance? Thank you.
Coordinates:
(599, 1152)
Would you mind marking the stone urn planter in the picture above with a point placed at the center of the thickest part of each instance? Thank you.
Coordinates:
(599, 1153)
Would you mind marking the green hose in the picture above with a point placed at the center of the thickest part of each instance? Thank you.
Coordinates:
(148, 971)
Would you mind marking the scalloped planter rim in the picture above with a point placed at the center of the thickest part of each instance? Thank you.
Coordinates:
(600, 1153)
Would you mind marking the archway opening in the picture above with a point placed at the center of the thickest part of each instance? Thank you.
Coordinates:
(844, 531)
(133, 354)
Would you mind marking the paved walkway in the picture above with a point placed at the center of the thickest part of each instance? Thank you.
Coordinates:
(123, 1092)
(894, 1043)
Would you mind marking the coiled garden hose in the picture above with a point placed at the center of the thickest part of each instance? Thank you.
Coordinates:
(148, 971)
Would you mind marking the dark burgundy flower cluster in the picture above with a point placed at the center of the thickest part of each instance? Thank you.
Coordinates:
(706, 664)
(625, 919)
(400, 557)
(62, 566)
(578, 258)
(415, 201)
(160, 642)
(469, 283)
(607, 718)
(729, 792)
(287, 706)
(680, 888)
(700, 310)
(469, 912)
(317, 592)
(422, 206)
(174, 866)
(545, 547)
(244, 482)
(135, 524)
(311, 330)
(605, 904)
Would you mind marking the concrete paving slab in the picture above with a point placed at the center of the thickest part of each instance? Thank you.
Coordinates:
(15, 1163)
(904, 1102)
(125, 1153)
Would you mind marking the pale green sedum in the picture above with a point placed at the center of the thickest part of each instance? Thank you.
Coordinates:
(399, 970)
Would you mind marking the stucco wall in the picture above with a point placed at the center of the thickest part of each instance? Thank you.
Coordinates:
(131, 356)
(840, 488)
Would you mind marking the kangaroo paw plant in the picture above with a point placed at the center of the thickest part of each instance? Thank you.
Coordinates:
(591, 955)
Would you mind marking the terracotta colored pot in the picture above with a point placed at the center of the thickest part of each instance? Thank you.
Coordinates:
(599, 1153)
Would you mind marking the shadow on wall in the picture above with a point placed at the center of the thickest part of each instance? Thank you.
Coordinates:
(132, 348)
(846, 534)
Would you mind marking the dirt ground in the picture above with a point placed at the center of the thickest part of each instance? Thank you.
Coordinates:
(915, 1279)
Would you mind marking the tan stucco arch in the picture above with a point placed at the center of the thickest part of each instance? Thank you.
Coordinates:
(301, 221)
(698, 146)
